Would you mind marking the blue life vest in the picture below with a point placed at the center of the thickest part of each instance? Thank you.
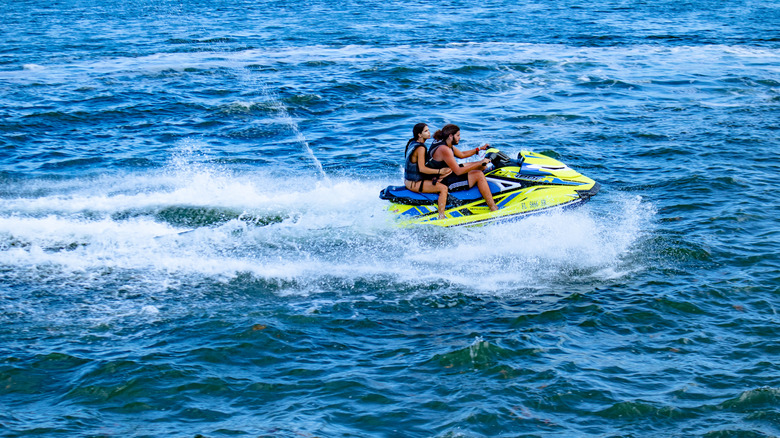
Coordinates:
(435, 164)
(411, 171)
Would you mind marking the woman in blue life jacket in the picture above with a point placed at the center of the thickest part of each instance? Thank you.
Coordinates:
(418, 177)
(463, 176)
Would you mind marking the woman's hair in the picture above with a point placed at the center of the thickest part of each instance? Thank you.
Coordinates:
(416, 131)
(446, 131)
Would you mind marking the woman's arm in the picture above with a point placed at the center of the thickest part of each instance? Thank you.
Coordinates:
(420, 154)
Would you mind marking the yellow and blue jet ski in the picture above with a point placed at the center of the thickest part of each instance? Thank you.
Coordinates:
(530, 184)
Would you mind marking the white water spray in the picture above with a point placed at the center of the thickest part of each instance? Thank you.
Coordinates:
(284, 115)
(278, 107)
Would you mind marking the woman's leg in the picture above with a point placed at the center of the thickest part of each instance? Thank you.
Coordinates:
(476, 176)
(429, 187)
(442, 190)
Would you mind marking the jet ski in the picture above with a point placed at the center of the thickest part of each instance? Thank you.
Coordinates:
(529, 184)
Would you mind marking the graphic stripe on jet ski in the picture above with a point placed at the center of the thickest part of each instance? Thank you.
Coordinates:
(516, 217)
(504, 201)
(415, 211)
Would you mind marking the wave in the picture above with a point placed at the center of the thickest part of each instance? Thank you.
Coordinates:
(305, 233)
(515, 57)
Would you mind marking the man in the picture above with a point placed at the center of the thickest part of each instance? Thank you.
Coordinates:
(443, 153)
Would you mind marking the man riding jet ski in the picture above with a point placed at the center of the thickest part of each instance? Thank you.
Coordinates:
(529, 184)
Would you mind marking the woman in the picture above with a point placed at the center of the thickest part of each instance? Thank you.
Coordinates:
(443, 153)
(418, 177)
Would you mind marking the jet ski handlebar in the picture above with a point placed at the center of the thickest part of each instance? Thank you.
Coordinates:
(500, 159)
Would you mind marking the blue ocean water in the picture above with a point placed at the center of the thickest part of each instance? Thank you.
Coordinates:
(192, 243)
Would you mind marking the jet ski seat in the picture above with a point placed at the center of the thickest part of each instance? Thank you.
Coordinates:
(402, 195)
